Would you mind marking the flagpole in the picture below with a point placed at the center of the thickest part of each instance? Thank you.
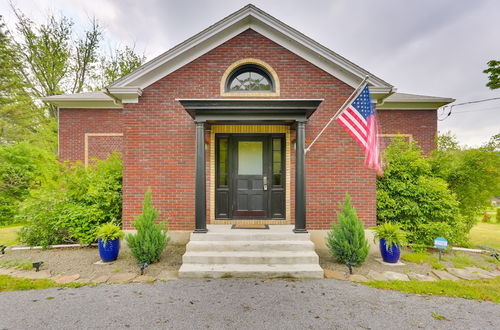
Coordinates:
(354, 94)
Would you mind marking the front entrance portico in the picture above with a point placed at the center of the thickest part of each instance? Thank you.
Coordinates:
(251, 193)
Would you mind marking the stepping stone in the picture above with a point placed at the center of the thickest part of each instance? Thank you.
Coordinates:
(100, 279)
(144, 279)
(358, 278)
(481, 272)
(100, 262)
(420, 277)
(7, 271)
(394, 276)
(168, 275)
(122, 277)
(33, 275)
(335, 274)
(399, 263)
(442, 275)
(463, 274)
(376, 276)
(65, 279)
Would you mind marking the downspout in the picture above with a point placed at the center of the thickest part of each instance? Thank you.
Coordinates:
(116, 100)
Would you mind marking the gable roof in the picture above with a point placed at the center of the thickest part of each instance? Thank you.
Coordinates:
(128, 88)
(250, 17)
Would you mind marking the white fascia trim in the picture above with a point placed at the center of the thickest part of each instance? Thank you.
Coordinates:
(129, 94)
(85, 104)
(268, 26)
(410, 106)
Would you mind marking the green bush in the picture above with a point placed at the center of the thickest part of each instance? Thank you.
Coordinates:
(71, 206)
(346, 241)
(151, 238)
(410, 194)
(498, 215)
(22, 166)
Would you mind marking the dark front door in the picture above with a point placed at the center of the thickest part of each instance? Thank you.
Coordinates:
(250, 176)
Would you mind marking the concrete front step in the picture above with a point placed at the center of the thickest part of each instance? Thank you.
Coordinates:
(249, 235)
(264, 246)
(250, 257)
(250, 270)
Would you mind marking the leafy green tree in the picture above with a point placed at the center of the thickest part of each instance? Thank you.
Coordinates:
(346, 241)
(19, 117)
(493, 72)
(410, 194)
(119, 63)
(55, 60)
(471, 173)
(151, 238)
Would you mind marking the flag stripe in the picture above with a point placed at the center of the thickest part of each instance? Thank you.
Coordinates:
(356, 113)
(352, 131)
(361, 134)
(355, 118)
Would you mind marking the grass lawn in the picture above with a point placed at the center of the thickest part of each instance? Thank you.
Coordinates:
(485, 234)
(8, 234)
(11, 283)
(486, 290)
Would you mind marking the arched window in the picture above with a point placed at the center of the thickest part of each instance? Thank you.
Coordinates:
(250, 78)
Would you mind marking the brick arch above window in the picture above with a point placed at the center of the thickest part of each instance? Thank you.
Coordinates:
(250, 62)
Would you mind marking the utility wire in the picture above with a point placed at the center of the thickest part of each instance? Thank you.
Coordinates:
(464, 103)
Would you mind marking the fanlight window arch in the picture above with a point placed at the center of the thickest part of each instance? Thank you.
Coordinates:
(250, 78)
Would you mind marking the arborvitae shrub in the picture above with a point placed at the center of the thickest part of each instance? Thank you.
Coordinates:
(151, 238)
(346, 241)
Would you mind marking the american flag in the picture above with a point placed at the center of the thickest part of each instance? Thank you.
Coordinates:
(358, 118)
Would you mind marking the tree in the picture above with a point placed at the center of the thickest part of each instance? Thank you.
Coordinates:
(471, 173)
(346, 241)
(493, 72)
(50, 61)
(19, 117)
(120, 63)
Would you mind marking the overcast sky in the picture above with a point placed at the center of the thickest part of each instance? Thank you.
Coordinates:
(429, 47)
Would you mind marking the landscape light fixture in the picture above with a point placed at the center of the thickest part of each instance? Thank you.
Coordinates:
(37, 265)
(143, 266)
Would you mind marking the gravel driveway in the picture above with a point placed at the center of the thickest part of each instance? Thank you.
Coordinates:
(239, 304)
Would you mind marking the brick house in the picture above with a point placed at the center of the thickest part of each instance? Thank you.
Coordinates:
(212, 127)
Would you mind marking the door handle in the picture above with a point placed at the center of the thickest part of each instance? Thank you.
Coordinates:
(265, 182)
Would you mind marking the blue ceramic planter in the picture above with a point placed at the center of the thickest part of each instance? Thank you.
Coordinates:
(109, 252)
(389, 256)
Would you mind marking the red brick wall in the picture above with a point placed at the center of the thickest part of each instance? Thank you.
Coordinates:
(421, 124)
(159, 136)
(74, 123)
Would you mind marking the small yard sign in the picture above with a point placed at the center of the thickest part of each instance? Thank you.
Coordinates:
(440, 243)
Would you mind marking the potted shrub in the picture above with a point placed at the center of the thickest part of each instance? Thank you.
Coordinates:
(391, 237)
(108, 241)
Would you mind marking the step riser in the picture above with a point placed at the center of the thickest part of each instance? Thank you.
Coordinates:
(193, 259)
(252, 274)
(244, 246)
(249, 237)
